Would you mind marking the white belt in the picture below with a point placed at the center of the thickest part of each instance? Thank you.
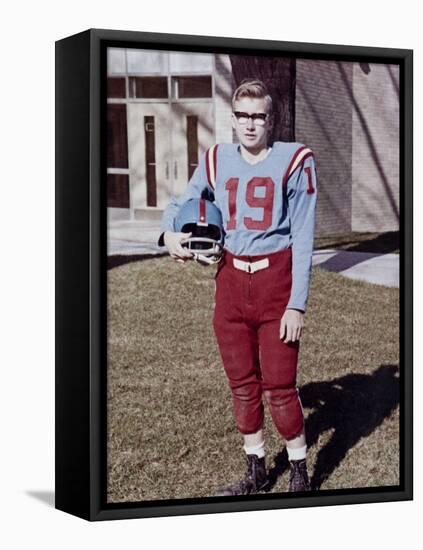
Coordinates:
(251, 267)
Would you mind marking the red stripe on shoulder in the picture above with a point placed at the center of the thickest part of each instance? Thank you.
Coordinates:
(288, 170)
(294, 159)
(215, 165)
(207, 166)
(211, 165)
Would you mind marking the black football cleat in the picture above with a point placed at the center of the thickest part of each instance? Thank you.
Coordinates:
(254, 480)
(298, 476)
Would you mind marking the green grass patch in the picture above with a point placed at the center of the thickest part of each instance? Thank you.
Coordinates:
(171, 432)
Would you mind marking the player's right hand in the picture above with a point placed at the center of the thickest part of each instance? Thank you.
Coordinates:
(173, 241)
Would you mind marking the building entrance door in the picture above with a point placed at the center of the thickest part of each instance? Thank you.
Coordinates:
(192, 135)
(165, 142)
(149, 145)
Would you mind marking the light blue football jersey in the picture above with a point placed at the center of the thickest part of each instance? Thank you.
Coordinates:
(266, 207)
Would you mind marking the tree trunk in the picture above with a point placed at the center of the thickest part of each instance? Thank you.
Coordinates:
(279, 76)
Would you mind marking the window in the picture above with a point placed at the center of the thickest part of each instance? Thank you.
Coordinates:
(116, 88)
(150, 160)
(153, 87)
(118, 190)
(192, 141)
(117, 136)
(192, 86)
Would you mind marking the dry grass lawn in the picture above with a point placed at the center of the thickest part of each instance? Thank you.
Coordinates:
(170, 428)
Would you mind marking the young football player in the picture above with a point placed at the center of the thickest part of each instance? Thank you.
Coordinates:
(267, 197)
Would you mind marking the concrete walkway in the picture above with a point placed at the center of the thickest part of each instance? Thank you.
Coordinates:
(127, 239)
(379, 269)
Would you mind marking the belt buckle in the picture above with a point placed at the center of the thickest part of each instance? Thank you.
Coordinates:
(251, 267)
(259, 265)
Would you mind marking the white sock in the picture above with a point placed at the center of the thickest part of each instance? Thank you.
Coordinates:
(255, 450)
(297, 454)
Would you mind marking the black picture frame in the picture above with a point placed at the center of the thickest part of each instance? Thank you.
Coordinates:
(81, 255)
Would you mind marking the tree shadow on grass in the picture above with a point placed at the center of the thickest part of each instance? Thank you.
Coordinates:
(353, 406)
(343, 260)
(382, 243)
(346, 258)
(122, 259)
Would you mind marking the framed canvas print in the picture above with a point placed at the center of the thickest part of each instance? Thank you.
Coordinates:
(233, 274)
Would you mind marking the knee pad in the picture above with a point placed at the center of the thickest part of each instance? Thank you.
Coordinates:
(286, 410)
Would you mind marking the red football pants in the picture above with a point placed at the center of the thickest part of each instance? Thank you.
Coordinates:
(248, 311)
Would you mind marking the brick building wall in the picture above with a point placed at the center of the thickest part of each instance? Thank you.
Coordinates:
(375, 159)
(224, 86)
(348, 113)
(323, 121)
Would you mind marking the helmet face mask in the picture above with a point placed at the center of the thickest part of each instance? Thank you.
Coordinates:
(203, 220)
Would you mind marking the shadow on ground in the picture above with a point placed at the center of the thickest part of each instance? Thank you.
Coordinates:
(382, 243)
(344, 259)
(353, 406)
(364, 250)
(120, 259)
(46, 497)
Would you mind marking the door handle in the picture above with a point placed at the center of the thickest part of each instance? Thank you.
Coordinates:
(167, 170)
(175, 170)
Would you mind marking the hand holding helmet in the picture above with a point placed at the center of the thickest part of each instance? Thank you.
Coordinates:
(173, 242)
(200, 222)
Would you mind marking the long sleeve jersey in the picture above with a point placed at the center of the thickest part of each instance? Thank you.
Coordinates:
(266, 207)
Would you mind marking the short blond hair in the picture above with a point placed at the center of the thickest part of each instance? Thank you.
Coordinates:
(250, 87)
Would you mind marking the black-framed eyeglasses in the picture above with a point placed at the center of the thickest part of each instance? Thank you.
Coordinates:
(257, 118)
